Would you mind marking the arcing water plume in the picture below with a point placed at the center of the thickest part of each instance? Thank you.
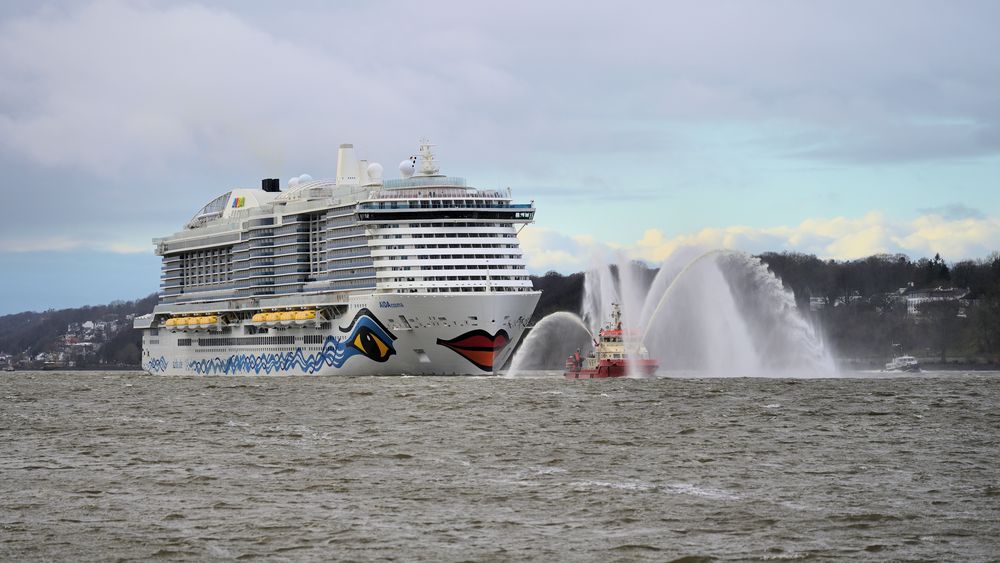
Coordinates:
(619, 281)
(721, 313)
(599, 291)
(725, 313)
(550, 342)
(668, 272)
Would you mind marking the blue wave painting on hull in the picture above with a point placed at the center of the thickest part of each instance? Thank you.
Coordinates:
(367, 337)
(157, 364)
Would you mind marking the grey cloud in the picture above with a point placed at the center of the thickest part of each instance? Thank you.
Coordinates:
(954, 212)
(179, 79)
(898, 142)
(150, 105)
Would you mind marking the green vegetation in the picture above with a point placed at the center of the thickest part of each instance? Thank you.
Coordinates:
(863, 306)
(33, 339)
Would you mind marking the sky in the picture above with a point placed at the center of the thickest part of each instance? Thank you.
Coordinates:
(836, 128)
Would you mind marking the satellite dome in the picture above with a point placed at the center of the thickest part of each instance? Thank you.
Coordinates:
(305, 178)
(407, 168)
(293, 182)
(375, 171)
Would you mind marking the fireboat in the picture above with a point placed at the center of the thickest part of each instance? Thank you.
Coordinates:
(609, 357)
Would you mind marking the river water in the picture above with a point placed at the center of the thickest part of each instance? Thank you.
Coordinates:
(128, 466)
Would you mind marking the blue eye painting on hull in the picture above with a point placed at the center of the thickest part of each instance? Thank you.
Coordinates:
(366, 336)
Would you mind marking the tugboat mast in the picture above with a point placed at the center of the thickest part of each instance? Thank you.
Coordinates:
(616, 317)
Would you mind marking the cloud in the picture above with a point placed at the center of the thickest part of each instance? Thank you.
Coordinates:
(45, 244)
(124, 248)
(109, 84)
(954, 211)
(841, 238)
(892, 141)
(63, 244)
(126, 84)
(545, 249)
(954, 239)
(127, 116)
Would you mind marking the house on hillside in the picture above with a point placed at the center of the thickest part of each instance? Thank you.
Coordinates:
(917, 297)
(820, 303)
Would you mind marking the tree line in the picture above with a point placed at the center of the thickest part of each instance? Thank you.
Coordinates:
(861, 316)
(861, 312)
(33, 332)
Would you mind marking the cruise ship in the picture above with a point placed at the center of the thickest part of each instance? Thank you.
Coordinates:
(420, 275)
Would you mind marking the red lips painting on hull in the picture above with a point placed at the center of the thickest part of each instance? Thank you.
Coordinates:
(478, 346)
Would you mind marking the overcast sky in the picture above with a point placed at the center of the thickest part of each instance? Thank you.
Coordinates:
(836, 128)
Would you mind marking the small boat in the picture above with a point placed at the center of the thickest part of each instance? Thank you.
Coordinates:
(9, 368)
(610, 357)
(903, 363)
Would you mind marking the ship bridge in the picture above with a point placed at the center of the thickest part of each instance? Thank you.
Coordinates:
(431, 233)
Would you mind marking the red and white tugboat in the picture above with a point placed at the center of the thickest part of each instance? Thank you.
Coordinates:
(609, 357)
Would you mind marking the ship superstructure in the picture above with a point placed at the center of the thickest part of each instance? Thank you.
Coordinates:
(420, 275)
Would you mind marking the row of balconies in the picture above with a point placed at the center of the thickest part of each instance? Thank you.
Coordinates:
(273, 252)
(250, 274)
(348, 244)
(443, 204)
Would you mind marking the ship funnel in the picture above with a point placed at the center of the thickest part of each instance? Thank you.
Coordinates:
(270, 185)
(363, 172)
(347, 165)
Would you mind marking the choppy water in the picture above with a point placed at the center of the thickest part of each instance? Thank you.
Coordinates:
(108, 466)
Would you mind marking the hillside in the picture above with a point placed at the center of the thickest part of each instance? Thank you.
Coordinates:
(862, 307)
(84, 337)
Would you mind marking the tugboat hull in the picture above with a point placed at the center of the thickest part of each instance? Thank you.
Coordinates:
(611, 356)
(605, 370)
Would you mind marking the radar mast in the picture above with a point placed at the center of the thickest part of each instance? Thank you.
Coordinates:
(427, 165)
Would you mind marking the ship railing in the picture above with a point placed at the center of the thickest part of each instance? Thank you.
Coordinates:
(247, 274)
(259, 234)
(347, 244)
(466, 193)
(434, 204)
(365, 275)
(419, 182)
(332, 257)
(296, 260)
(172, 245)
(352, 264)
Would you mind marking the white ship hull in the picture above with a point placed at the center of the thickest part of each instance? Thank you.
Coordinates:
(355, 276)
(380, 334)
